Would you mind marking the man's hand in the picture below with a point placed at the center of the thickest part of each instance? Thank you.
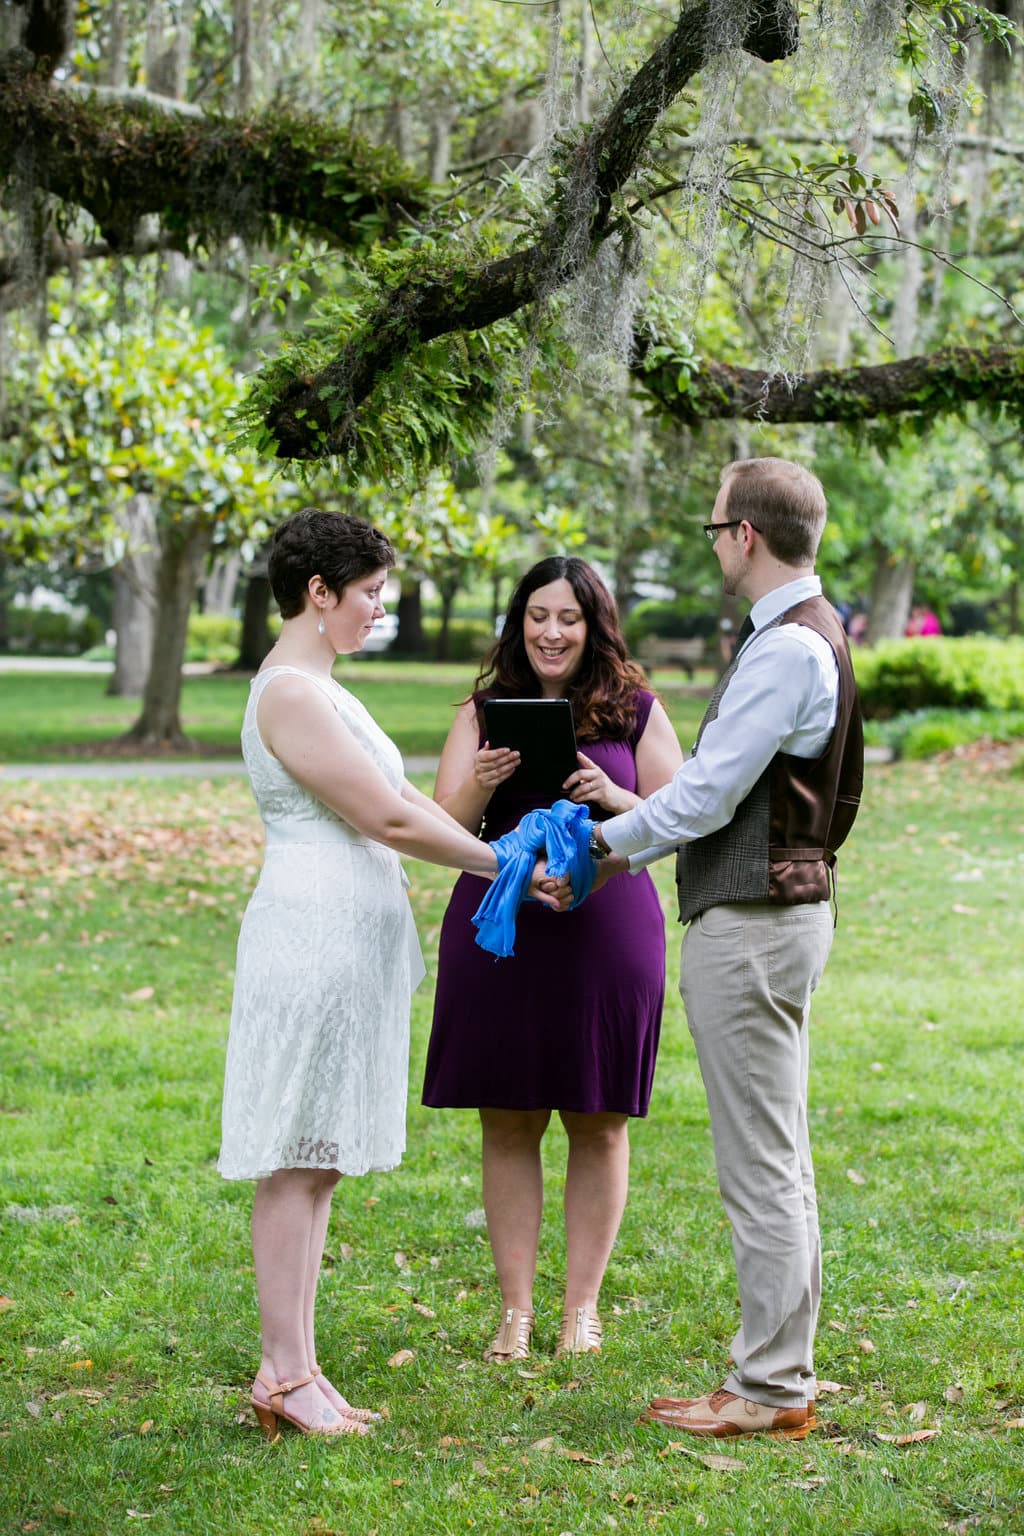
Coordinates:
(614, 864)
(556, 894)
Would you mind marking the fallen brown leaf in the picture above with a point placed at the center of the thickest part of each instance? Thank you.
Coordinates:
(5, 1302)
(867, 1346)
(581, 1456)
(402, 1357)
(142, 995)
(722, 1463)
(954, 1393)
(831, 1386)
(855, 1177)
(915, 1437)
(543, 1445)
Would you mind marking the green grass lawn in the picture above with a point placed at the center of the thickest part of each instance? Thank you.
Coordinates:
(51, 717)
(128, 1328)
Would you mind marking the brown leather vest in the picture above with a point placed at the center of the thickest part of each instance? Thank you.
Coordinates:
(781, 844)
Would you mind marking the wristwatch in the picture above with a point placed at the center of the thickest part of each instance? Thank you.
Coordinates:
(598, 850)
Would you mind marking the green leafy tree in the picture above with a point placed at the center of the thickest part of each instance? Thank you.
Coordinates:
(113, 408)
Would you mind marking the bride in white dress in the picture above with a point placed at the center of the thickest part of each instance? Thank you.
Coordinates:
(315, 1081)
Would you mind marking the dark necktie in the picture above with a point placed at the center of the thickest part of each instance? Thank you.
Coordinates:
(746, 630)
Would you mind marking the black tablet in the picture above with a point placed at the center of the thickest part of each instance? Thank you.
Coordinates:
(542, 731)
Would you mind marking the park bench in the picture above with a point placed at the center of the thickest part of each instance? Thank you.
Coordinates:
(662, 651)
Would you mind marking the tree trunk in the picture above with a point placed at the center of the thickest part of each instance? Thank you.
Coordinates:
(585, 63)
(134, 601)
(307, 51)
(497, 605)
(182, 51)
(447, 592)
(439, 151)
(636, 511)
(222, 583)
(153, 48)
(182, 551)
(411, 639)
(115, 65)
(256, 638)
(1014, 607)
(5, 633)
(891, 592)
(242, 29)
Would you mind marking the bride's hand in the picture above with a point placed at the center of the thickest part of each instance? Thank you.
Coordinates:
(552, 891)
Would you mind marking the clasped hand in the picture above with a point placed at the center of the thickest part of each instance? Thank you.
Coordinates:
(549, 891)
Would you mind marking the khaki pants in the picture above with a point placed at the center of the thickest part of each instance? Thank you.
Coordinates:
(747, 974)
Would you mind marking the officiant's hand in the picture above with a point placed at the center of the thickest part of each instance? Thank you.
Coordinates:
(552, 892)
(493, 765)
(590, 785)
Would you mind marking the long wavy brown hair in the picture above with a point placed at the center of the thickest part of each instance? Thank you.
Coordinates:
(603, 692)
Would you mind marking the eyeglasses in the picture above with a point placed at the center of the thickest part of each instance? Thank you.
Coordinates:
(712, 530)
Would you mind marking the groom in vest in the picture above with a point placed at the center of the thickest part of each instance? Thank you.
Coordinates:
(755, 817)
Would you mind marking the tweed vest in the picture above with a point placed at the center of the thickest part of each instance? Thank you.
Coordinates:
(780, 845)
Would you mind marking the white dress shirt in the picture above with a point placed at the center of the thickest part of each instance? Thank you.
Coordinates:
(783, 697)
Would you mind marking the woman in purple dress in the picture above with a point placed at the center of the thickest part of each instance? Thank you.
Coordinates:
(571, 1022)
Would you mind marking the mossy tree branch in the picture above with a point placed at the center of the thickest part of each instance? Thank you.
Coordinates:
(315, 415)
(924, 386)
(206, 178)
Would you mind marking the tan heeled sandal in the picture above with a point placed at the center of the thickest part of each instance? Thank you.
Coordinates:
(343, 1406)
(273, 1410)
(580, 1333)
(512, 1340)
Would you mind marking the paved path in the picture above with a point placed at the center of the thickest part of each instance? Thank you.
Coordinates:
(155, 768)
(211, 768)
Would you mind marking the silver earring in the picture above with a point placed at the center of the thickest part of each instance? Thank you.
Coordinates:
(321, 628)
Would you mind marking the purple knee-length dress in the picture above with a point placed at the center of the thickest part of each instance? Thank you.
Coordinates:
(570, 1021)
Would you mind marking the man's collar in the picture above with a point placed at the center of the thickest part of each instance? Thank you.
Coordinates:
(780, 598)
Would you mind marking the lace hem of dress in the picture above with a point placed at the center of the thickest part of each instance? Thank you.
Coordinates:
(226, 1171)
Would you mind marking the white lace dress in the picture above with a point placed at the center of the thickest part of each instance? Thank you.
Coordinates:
(318, 1051)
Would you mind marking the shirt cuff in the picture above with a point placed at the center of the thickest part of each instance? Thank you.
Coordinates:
(621, 837)
(638, 862)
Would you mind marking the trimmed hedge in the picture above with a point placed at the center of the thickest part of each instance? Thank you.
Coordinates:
(926, 732)
(669, 621)
(468, 639)
(976, 672)
(40, 632)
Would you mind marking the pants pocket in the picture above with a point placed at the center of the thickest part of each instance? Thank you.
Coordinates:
(797, 955)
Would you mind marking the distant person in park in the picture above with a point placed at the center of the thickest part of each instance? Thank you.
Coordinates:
(857, 628)
(571, 1022)
(756, 816)
(922, 622)
(317, 1056)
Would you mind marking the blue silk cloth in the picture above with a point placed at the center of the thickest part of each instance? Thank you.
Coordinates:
(564, 831)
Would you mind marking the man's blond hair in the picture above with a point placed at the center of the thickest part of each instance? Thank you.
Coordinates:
(783, 501)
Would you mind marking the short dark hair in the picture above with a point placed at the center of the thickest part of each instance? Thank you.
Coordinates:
(785, 503)
(604, 691)
(332, 545)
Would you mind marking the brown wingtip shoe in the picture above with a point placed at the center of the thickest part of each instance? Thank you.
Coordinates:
(723, 1415)
(675, 1403)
